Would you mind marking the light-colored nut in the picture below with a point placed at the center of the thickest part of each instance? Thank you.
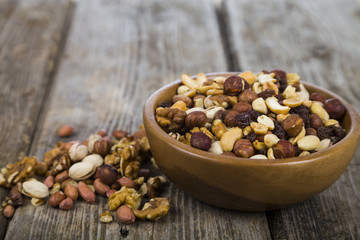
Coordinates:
(271, 86)
(259, 128)
(229, 138)
(259, 156)
(270, 140)
(265, 77)
(259, 145)
(247, 130)
(257, 87)
(303, 94)
(304, 153)
(281, 117)
(77, 152)
(273, 104)
(307, 103)
(302, 134)
(139, 180)
(91, 140)
(106, 217)
(211, 111)
(56, 198)
(194, 109)
(66, 204)
(331, 122)
(248, 76)
(198, 103)
(308, 143)
(214, 92)
(266, 121)
(216, 148)
(325, 143)
(180, 105)
(71, 192)
(182, 89)
(270, 153)
(320, 111)
(259, 105)
(125, 215)
(193, 83)
(95, 159)
(292, 102)
(81, 170)
(56, 187)
(35, 189)
(204, 89)
(292, 78)
(290, 92)
(100, 188)
(37, 201)
(86, 193)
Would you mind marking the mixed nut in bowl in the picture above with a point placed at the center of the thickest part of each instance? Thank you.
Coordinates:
(272, 150)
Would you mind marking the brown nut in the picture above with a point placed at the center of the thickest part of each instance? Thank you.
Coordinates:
(49, 181)
(119, 134)
(234, 85)
(127, 182)
(248, 96)
(293, 125)
(185, 99)
(71, 192)
(41, 168)
(66, 204)
(125, 215)
(16, 196)
(62, 176)
(230, 118)
(56, 198)
(100, 188)
(317, 97)
(230, 154)
(334, 108)
(9, 211)
(242, 107)
(243, 148)
(144, 172)
(200, 140)
(195, 119)
(66, 131)
(66, 146)
(315, 121)
(86, 193)
(108, 174)
(110, 192)
(116, 186)
(102, 133)
(310, 131)
(102, 147)
(283, 149)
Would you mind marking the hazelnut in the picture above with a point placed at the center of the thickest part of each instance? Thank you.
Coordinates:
(119, 134)
(66, 131)
(108, 174)
(248, 96)
(195, 119)
(102, 133)
(125, 215)
(242, 107)
(16, 196)
(334, 108)
(56, 198)
(243, 148)
(234, 85)
(188, 102)
(200, 140)
(315, 121)
(310, 131)
(77, 152)
(102, 147)
(317, 97)
(230, 118)
(230, 154)
(9, 211)
(293, 125)
(283, 149)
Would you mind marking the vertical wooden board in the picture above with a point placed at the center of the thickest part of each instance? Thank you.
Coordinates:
(117, 54)
(30, 34)
(320, 41)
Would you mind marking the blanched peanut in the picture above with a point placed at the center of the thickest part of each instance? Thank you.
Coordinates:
(270, 140)
(325, 143)
(258, 156)
(294, 140)
(320, 111)
(308, 143)
(266, 121)
(229, 138)
(216, 148)
(259, 128)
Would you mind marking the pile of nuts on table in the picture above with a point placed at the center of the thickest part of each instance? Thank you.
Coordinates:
(267, 115)
(98, 165)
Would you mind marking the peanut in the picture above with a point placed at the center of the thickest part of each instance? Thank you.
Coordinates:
(56, 198)
(86, 193)
(127, 182)
(66, 204)
(9, 211)
(66, 131)
(71, 192)
(49, 181)
(125, 215)
(100, 187)
(62, 176)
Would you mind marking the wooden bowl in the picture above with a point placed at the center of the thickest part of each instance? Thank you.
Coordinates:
(248, 184)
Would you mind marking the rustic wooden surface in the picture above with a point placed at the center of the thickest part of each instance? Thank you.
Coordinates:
(118, 52)
(314, 39)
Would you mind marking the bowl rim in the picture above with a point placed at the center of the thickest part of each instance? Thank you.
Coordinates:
(149, 116)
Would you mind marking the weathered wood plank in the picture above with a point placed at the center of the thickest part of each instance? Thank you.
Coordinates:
(117, 54)
(319, 40)
(30, 34)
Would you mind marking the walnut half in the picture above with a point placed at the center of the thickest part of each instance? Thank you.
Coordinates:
(153, 210)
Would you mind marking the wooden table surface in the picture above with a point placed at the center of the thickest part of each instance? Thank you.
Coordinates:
(93, 63)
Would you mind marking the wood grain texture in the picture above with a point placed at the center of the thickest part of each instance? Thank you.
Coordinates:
(30, 33)
(320, 41)
(117, 54)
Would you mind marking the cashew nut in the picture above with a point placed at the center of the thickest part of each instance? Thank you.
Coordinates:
(248, 76)
(293, 102)
(263, 77)
(211, 111)
(229, 138)
(258, 156)
(290, 92)
(216, 148)
(194, 109)
(266, 121)
(259, 105)
(294, 140)
(273, 104)
(303, 94)
(292, 78)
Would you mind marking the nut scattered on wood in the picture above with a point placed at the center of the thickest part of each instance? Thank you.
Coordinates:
(66, 131)
(106, 217)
